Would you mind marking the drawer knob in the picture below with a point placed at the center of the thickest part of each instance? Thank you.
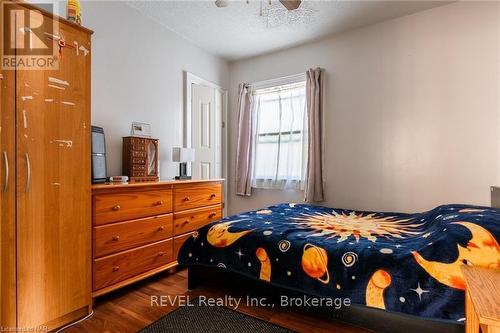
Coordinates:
(116, 268)
(116, 238)
(184, 223)
(159, 203)
(212, 196)
(116, 208)
(186, 199)
(161, 228)
(212, 215)
(161, 254)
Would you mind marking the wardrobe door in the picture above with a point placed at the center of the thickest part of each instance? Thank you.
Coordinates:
(7, 201)
(53, 201)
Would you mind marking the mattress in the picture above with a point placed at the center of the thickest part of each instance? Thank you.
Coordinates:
(406, 263)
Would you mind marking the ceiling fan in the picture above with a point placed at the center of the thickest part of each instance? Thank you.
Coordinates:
(289, 4)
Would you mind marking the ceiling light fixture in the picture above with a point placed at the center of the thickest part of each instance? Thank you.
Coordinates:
(276, 15)
(289, 4)
(284, 12)
(222, 3)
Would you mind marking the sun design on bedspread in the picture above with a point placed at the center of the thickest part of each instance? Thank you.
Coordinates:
(368, 226)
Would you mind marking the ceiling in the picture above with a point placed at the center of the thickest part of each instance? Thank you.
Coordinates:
(238, 31)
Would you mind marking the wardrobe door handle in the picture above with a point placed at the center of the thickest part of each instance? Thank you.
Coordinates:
(6, 161)
(28, 171)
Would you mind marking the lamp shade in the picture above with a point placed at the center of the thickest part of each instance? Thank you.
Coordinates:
(182, 154)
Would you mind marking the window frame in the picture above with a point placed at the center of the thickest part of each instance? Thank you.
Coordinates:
(278, 86)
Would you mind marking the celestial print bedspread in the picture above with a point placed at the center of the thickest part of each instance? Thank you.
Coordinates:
(408, 263)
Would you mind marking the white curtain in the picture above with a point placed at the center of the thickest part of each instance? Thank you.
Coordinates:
(280, 137)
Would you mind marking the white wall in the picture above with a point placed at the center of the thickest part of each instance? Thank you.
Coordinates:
(137, 75)
(411, 110)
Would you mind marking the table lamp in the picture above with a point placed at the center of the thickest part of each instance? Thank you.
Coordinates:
(182, 155)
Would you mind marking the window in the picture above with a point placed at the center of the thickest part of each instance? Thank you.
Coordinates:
(280, 138)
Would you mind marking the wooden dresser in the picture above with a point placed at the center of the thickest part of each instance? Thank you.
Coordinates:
(139, 228)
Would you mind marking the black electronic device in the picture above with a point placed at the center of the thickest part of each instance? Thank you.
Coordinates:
(98, 155)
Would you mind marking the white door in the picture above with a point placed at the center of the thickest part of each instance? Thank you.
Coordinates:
(206, 125)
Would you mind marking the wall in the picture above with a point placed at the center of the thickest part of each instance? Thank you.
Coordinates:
(411, 110)
(137, 75)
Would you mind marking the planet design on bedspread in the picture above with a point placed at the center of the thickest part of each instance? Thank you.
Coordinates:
(265, 264)
(369, 226)
(349, 259)
(379, 281)
(315, 263)
(219, 235)
(482, 250)
(284, 245)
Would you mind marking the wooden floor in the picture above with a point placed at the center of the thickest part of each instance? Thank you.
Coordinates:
(129, 309)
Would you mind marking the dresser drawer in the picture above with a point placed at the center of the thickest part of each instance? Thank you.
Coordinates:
(121, 236)
(138, 167)
(138, 141)
(138, 154)
(114, 207)
(178, 242)
(121, 266)
(138, 161)
(194, 219)
(188, 196)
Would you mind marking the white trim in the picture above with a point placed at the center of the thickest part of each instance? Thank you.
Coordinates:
(295, 78)
(189, 80)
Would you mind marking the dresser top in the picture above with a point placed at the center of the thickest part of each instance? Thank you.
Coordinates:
(107, 186)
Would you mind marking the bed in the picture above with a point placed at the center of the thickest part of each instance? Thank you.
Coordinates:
(405, 264)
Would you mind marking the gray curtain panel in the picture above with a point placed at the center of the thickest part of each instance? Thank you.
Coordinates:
(314, 102)
(244, 149)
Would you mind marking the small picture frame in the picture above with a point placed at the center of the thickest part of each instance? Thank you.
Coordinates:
(141, 129)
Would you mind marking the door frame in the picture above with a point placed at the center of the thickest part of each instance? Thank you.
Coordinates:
(189, 80)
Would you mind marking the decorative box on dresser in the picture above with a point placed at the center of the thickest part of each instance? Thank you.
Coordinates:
(139, 228)
(140, 159)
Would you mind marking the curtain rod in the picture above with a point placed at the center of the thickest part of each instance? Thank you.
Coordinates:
(268, 83)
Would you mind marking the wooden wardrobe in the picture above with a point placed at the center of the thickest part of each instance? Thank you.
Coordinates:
(45, 185)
